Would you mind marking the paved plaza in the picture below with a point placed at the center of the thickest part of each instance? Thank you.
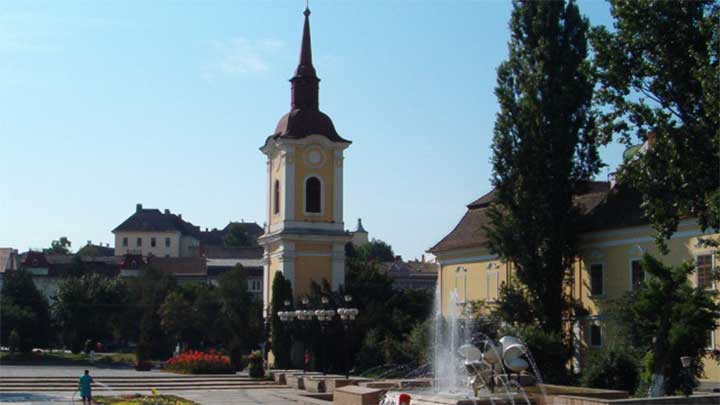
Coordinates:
(270, 394)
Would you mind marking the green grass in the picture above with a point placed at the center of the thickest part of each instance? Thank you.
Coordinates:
(66, 358)
(143, 400)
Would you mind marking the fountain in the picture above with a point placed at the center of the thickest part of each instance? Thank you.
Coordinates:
(463, 373)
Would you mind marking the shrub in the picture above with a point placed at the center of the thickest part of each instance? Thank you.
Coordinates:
(255, 365)
(143, 366)
(613, 368)
(195, 362)
(14, 341)
(549, 351)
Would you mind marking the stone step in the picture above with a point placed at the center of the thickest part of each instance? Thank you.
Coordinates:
(149, 377)
(130, 384)
(101, 390)
(130, 380)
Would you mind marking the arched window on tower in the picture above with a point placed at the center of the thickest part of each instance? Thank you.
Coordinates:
(276, 197)
(313, 195)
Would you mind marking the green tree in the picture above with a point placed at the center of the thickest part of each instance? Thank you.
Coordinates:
(177, 320)
(375, 250)
(60, 246)
(659, 73)
(386, 330)
(668, 318)
(86, 307)
(24, 310)
(237, 309)
(238, 237)
(543, 151)
(281, 341)
(154, 287)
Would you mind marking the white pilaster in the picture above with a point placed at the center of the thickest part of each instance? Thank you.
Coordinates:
(287, 263)
(289, 183)
(338, 186)
(338, 265)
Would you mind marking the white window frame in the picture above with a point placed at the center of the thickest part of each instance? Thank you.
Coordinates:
(713, 265)
(590, 337)
(488, 276)
(590, 278)
(630, 272)
(461, 274)
(322, 195)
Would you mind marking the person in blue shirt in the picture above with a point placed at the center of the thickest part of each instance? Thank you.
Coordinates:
(85, 388)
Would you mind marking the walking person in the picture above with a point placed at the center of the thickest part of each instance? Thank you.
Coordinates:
(85, 388)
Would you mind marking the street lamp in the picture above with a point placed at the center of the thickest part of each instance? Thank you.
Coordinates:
(686, 362)
(347, 316)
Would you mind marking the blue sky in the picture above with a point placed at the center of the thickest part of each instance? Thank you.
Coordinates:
(105, 104)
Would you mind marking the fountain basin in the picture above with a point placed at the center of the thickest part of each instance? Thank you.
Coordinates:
(433, 398)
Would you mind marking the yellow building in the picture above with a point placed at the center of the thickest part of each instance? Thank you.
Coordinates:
(615, 236)
(305, 236)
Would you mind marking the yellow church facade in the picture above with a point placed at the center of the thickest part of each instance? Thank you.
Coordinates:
(615, 238)
(305, 235)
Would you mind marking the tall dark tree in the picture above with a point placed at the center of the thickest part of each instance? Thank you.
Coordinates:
(659, 74)
(25, 311)
(280, 340)
(543, 150)
(237, 310)
(154, 286)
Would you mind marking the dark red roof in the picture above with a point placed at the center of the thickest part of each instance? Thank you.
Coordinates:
(470, 231)
(34, 259)
(305, 117)
(144, 220)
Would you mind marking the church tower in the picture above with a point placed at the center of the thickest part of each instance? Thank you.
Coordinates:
(305, 236)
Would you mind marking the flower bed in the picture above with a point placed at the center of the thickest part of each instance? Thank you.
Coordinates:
(194, 362)
(143, 400)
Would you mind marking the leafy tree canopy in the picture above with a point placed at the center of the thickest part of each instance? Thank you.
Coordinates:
(659, 73)
(669, 318)
(543, 150)
(375, 250)
(24, 310)
(60, 246)
(238, 237)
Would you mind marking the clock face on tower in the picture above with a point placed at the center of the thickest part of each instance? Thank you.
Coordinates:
(314, 156)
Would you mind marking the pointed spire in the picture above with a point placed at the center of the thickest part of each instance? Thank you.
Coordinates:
(306, 68)
(359, 227)
(305, 83)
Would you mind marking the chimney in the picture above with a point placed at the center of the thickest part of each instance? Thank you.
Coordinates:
(613, 180)
(138, 207)
(180, 216)
(89, 242)
(167, 211)
(107, 245)
(422, 258)
(398, 258)
(206, 229)
(650, 139)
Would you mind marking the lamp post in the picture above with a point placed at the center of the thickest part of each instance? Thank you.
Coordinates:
(325, 316)
(303, 315)
(347, 316)
(686, 362)
(287, 317)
